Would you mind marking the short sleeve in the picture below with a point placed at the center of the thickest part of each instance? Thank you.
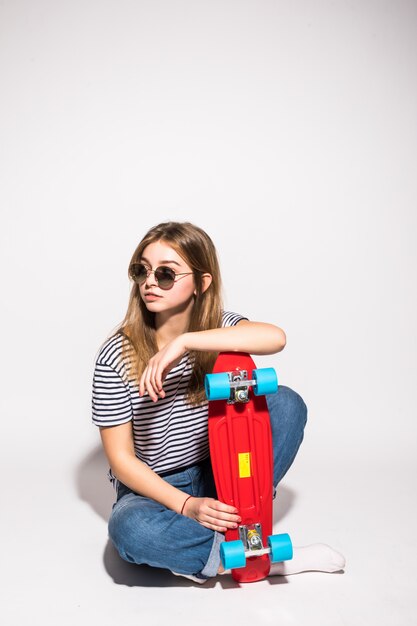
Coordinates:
(231, 319)
(111, 403)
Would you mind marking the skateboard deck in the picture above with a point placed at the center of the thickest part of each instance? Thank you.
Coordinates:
(241, 456)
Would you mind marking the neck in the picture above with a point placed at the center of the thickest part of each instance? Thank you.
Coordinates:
(172, 324)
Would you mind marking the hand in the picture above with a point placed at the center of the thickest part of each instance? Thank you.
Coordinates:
(159, 366)
(212, 514)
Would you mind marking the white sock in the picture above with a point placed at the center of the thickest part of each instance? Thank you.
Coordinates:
(200, 581)
(317, 557)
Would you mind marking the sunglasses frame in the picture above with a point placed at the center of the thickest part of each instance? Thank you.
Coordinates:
(150, 271)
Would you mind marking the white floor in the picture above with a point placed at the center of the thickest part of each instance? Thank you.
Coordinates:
(58, 565)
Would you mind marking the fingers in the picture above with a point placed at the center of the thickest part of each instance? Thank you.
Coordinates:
(158, 367)
(219, 529)
(222, 511)
(215, 515)
(151, 382)
(223, 516)
(215, 524)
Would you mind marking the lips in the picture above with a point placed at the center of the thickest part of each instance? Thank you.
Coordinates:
(151, 295)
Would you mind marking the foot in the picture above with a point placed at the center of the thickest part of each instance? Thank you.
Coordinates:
(317, 557)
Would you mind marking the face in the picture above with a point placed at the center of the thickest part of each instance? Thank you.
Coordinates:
(178, 299)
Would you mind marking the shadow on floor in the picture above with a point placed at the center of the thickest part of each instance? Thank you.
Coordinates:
(131, 575)
(283, 503)
(92, 483)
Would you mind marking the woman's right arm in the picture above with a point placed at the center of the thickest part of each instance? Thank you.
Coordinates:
(132, 472)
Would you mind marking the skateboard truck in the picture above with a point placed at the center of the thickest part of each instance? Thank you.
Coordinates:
(234, 385)
(251, 537)
(239, 386)
(233, 554)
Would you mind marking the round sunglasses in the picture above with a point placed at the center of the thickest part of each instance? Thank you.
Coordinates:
(164, 276)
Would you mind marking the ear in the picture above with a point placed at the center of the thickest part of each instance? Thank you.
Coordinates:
(206, 281)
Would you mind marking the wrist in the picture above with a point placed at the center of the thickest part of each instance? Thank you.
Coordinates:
(184, 504)
(187, 341)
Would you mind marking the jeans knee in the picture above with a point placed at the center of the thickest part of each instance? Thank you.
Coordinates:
(288, 413)
(121, 528)
(300, 407)
(288, 406)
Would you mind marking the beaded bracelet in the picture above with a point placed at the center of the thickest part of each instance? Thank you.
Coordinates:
(185, 502)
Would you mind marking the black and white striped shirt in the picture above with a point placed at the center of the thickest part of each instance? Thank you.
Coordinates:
(168, 434)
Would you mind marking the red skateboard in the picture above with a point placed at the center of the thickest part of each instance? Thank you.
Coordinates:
(241, 457)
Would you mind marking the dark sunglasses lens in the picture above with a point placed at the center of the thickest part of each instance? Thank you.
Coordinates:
(165, 277)
(138, 272)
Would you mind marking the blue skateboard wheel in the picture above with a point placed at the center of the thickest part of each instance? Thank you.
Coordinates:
(266, 381)
(281, 548)
(217, 386)
(232, 554)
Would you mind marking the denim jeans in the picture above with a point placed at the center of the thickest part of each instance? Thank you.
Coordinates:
(146, 532)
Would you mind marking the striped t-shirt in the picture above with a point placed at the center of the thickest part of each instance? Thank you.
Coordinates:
(168, 434)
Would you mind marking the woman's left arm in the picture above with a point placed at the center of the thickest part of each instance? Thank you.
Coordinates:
(252, 337)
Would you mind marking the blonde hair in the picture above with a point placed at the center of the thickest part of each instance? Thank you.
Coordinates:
(138, 326)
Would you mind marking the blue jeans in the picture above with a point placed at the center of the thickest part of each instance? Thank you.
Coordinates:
(146, 532)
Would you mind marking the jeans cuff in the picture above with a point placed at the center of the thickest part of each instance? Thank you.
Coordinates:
(211, 568)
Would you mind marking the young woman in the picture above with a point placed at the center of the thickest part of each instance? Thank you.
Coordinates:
(149, 403)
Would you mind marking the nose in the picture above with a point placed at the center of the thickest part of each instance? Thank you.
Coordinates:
(149, 282)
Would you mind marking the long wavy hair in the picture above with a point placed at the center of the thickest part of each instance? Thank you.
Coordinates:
(138, 326)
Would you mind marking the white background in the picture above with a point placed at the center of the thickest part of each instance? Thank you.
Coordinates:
(285, 129)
